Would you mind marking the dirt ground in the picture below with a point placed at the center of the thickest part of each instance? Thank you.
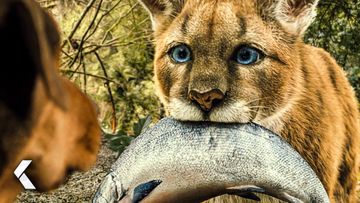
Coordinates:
(80, 187)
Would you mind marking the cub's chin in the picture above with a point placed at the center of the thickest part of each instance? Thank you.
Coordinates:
(230, 112)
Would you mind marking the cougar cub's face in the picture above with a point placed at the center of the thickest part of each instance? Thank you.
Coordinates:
(225, 61)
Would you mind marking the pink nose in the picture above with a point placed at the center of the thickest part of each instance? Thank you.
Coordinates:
(208, 99)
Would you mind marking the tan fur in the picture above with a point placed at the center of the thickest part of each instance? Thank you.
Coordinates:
(297, 90)
(43, 116)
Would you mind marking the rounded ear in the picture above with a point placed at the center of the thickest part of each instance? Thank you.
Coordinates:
(162, 10)
(29, 45)
(295, 15)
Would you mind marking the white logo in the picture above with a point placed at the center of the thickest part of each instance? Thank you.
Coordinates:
(19, 173)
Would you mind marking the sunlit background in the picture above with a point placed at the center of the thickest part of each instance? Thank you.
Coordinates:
(107, 50)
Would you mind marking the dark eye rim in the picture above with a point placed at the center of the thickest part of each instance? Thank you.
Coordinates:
(261, 55)
(171, 51)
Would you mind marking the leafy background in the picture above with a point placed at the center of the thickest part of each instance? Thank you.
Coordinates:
(107, 51)
(337, 30)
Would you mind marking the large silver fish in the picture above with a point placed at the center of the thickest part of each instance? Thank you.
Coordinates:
(191, 162)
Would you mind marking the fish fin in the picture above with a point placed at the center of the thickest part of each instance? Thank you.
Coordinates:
(289, 198)
(246, 191)
(143, 190)
(250, 196)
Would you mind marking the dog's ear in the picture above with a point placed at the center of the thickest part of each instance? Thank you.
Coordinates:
(162, 10)
(29, 44)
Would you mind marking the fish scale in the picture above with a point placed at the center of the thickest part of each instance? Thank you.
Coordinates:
(197, 161)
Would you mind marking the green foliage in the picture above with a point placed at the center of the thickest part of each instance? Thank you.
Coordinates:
(141, 125)
(109, 55)
(336, 29)
(107, 51)
(119, 141)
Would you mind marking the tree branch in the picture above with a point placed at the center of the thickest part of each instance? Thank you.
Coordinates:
(114, 119)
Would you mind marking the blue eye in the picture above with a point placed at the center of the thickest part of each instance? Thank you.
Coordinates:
(247, 55)
(180, 54)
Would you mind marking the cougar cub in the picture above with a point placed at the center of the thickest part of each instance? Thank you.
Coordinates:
(241, 61)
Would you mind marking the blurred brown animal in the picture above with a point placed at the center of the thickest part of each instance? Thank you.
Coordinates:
(241, 61)
(43, 116)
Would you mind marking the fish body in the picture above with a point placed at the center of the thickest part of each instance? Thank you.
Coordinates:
(188, 162)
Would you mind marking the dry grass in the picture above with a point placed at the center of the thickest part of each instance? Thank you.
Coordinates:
(79, 188)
